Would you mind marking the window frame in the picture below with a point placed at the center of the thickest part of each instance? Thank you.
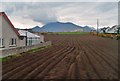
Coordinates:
(1, 42)
(13, 42)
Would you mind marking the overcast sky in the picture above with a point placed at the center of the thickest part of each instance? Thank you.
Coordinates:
(31, 14)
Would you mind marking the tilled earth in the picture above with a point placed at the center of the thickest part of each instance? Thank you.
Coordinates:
(69, 57)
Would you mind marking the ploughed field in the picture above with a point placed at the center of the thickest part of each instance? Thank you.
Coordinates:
(69, 57)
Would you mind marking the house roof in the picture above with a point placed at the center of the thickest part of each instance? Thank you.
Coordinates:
(29, 35)
(113, 29)
(110, 30)
(12, 26)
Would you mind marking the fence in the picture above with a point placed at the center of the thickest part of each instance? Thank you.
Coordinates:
(7, 52)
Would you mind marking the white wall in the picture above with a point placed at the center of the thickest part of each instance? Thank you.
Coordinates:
(11, 51)
(0, 50)
(0, 26)
(41, 38)
(23, 42)
(8, 33)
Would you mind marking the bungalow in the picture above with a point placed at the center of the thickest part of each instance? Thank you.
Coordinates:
(10, 37)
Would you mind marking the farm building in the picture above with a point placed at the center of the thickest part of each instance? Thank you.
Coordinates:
(31, 38)
(10, 37)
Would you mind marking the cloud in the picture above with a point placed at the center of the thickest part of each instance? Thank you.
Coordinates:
(60, 0)
(20, 22)
(44, 15)
(29, 14)
(87, 13)
(39, 12)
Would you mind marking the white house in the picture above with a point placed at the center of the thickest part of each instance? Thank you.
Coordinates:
(10, 37)
(104, 30)
(113, 29)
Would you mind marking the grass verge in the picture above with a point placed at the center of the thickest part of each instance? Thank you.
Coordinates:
(27, 52)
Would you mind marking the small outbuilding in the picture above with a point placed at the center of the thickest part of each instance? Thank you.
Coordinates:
(28, 38)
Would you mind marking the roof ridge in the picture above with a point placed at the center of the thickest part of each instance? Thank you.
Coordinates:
(12, 26)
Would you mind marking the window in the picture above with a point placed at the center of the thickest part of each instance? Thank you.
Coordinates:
(1, 42)
(13, 42)
(29, 41)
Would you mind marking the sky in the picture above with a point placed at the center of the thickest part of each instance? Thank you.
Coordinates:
(31, 14)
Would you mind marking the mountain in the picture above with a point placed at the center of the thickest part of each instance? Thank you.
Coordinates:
(61, 27)
(88, 29)
(36, 29)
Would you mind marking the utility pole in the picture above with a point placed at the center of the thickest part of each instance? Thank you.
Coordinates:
(26, 38)
(97, 25)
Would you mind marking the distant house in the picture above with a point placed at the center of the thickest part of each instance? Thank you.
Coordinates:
(113, 29)
(10, 37)
(108, 30)
(104, 30)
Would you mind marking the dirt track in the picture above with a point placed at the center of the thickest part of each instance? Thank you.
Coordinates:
(70, 57)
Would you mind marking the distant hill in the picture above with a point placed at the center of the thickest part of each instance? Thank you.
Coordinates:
(36, 29)
(30, 30)
(88, 29)
(61, 27)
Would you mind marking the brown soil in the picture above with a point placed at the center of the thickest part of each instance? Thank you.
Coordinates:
(70, 57)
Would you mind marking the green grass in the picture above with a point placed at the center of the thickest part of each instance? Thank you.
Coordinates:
(9, 57)
(36, 49)
(81, 33)
(19, 55)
